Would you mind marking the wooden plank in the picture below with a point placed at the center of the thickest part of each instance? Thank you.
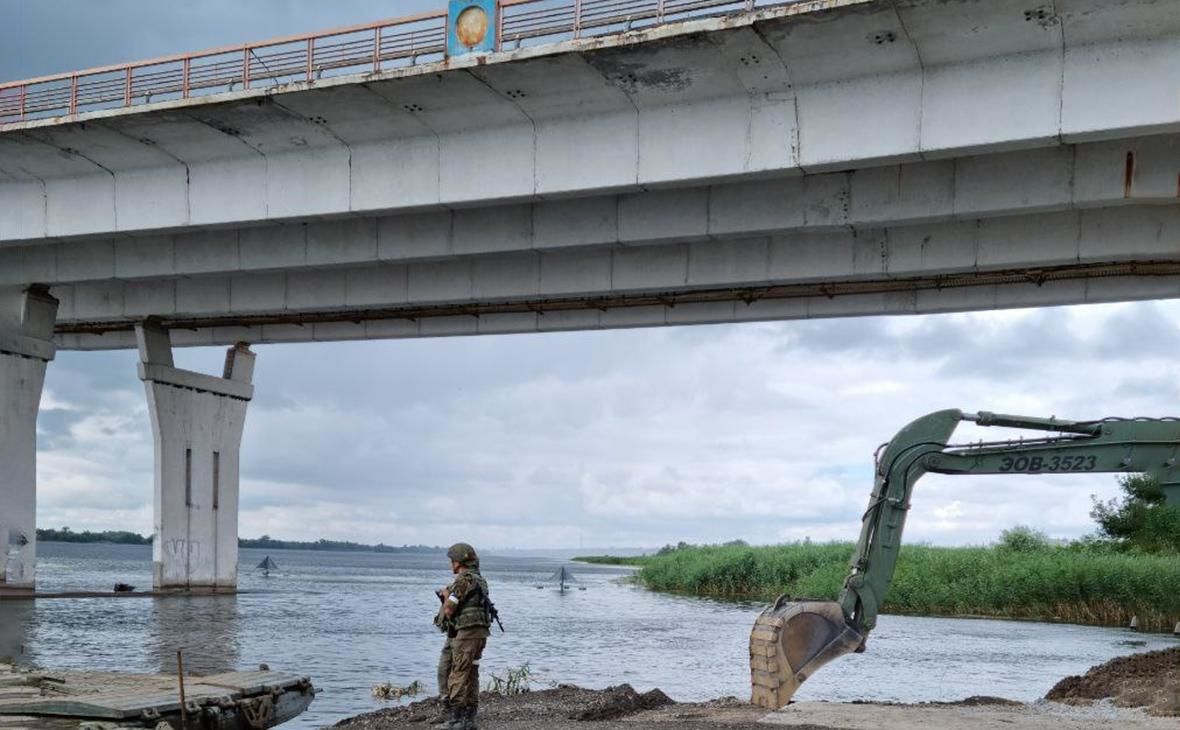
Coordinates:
(113, 705)
(127, 696)
(62, 707)
(121, 697)
(14, 680)
(251, 682)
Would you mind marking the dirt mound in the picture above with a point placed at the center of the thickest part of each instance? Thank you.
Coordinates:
(981, 701)
(568, 705)
(1150, 680)
(615, 702)
(972, 701)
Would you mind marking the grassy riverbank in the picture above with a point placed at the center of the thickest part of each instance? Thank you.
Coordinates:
(1086, 586)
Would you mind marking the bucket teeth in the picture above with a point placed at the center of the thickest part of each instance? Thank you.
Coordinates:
(790, 641)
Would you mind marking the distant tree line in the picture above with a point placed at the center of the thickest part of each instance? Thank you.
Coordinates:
(123, 537)
(682, 545)
(118, 537)
(269, 543)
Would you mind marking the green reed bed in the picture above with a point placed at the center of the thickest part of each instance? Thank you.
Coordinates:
(634, 560)
(1102, 587)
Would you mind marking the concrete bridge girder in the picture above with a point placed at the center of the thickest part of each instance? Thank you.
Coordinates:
(1110, 174)
(860, 85)
(951, 216)
(904, 262)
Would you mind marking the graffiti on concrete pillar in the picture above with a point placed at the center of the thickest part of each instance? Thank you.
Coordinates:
(12, 568)
(181, 548)
(16, 542)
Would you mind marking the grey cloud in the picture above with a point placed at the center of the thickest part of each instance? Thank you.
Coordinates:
(1042, 335)
(53, 36)
(877, 337)
(996, 350)
(935, 337)
(1137, 331)
(55, 426)
(861, 334)
(1149, 386)
(93, 377)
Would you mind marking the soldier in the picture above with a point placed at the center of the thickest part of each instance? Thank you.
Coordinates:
(465, 619)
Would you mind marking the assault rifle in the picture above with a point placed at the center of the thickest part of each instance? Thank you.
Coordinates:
(489, 608)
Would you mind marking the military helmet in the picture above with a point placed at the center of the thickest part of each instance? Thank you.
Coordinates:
(463, 554)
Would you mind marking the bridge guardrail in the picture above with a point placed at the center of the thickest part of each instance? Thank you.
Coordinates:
(374, 47)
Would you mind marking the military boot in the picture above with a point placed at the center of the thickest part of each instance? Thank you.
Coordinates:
(467, 718)
(448, 719)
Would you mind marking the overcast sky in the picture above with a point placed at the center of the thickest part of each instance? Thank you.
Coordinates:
(763, 432)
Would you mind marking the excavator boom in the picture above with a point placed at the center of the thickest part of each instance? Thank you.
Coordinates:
(794, 638)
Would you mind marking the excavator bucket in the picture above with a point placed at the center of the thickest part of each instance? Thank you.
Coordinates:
(790, 641)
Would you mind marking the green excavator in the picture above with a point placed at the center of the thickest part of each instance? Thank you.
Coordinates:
(794, 638)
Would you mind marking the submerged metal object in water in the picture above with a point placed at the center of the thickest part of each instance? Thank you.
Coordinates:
(790, 641)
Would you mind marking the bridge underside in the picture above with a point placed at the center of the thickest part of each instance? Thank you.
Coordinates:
(1067, 224)
(819, 159)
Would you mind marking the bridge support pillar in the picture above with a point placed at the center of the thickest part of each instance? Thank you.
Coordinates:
(197, 425)
(26, 347)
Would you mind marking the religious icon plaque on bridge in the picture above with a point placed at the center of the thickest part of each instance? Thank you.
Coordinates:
(471, 27)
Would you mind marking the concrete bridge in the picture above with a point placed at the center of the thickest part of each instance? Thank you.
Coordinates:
(548, 165)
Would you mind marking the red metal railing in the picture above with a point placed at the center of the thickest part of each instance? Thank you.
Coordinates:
(372, 47)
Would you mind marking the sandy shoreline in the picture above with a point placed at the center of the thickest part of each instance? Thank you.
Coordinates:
(558, 709)
(1137, 692)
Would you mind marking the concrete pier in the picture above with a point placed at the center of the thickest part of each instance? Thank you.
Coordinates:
(197, 423)
(26, 330)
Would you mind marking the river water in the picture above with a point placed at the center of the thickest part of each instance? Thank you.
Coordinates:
(353, 620)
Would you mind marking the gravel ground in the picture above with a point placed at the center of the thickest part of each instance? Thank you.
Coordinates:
(614, 708)
(1132, 693)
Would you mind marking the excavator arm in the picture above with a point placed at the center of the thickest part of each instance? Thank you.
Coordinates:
(794, 638)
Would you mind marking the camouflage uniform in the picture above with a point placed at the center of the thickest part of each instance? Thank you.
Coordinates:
(467, 634)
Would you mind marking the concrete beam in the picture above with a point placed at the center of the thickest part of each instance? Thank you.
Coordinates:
(934, 297)
(539, 288)
(1075, 177)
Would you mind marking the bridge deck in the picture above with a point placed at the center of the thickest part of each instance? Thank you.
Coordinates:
(399, 43)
